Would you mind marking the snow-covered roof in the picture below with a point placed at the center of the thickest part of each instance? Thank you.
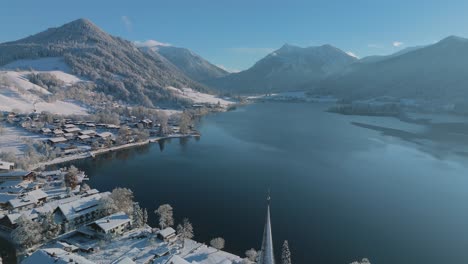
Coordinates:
(14, 217)
(46, 130)
(68, 135)
(68, 126)
(87, 132)
(112, 221)
(105, 134)
(58, 131)
(29, 198)
(83, 137)
(14, 174)
(5, 197)
(6, 165)
(57, 139)
(177, 260)
(72, 130)
(80, 207)
(10, 184)
(51, 173)
(124, 260)
(55, 255)
(166, 232)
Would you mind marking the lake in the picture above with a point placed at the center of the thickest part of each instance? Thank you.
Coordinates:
(342, 187)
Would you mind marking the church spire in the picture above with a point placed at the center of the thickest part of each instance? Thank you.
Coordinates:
(267, 256)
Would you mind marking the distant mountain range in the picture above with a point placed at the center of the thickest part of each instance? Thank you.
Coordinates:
(189, 63)
(286, 69)
(148, 74)
(437, 72)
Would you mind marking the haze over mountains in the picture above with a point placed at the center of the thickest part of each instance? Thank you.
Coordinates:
(147, 75)
(286, 69)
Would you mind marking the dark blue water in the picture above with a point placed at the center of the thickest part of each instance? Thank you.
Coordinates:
(340, 191)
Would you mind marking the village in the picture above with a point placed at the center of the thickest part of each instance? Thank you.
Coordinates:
(51, 139)
(55, 217)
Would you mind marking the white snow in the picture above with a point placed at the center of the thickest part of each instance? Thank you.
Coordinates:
(16, 92)
(12, 139)
(198, 97)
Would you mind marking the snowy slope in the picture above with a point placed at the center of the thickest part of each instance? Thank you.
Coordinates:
(198, 97)
(17, 93)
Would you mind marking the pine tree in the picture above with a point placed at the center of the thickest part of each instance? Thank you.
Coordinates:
(145, 216)
(286, 254)
(185, 231)
(137, 216)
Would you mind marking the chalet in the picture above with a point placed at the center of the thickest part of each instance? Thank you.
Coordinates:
(80, 212)
(17, 176)
(90, 133)
(68, 126)
(74, 130)
(28, 200)
(69, 136)
(4, 198)
(9, 221)
(57, 132)
(105, 135)
(111, 126)
(90, 125)
(55, 255)
(84, 138)
(56, 140)
(46, 131)
(6, 166)
(115, 224)
(167, 234)
(147, 123)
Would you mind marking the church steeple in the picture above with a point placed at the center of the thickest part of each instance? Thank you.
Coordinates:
(267, 256)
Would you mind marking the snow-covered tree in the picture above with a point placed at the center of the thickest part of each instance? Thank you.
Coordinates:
(108, 205)
(28, 232)
(71, 178)
(138, 220)
(251, 254)
(363, 261)
(218, 243)
(85, 187)
(185, 231)
(184, 123)
(123, 199)
(286, 253)
(49, 228)
(166, 215)
(145, 216)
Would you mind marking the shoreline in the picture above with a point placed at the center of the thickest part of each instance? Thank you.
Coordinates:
(94, 153)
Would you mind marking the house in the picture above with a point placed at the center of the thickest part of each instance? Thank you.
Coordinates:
(46, 131)
(84, 138)
(57, 132)
(4, 198)
(6, 166)
(115, 224)
(105, 135)
(74, 130)
(167, 234)
(28, 200)
(69, 135)
(9, 221)
(89, 132)
(56, 140)
(147, 123)
(68, 126)
(55, 255)
(79, 212)
(176, 259)
(111, 126)
(17, 176)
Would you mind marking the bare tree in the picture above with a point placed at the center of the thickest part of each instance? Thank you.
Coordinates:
(27, 233)
(218, 243)
(185, 231)
(123, 199)
(166, 215)
(363, 261)
(184, 123)
(71, 178)
(286, 253)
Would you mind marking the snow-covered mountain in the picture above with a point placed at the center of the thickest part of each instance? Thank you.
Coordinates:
(190, 63)
(286, 69)
(436, 72)
(115, 65)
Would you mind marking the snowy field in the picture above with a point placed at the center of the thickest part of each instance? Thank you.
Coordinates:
(199, 98)
(11, 140)
(16, 92)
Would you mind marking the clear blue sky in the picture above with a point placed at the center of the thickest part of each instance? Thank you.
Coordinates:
(237, 33)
